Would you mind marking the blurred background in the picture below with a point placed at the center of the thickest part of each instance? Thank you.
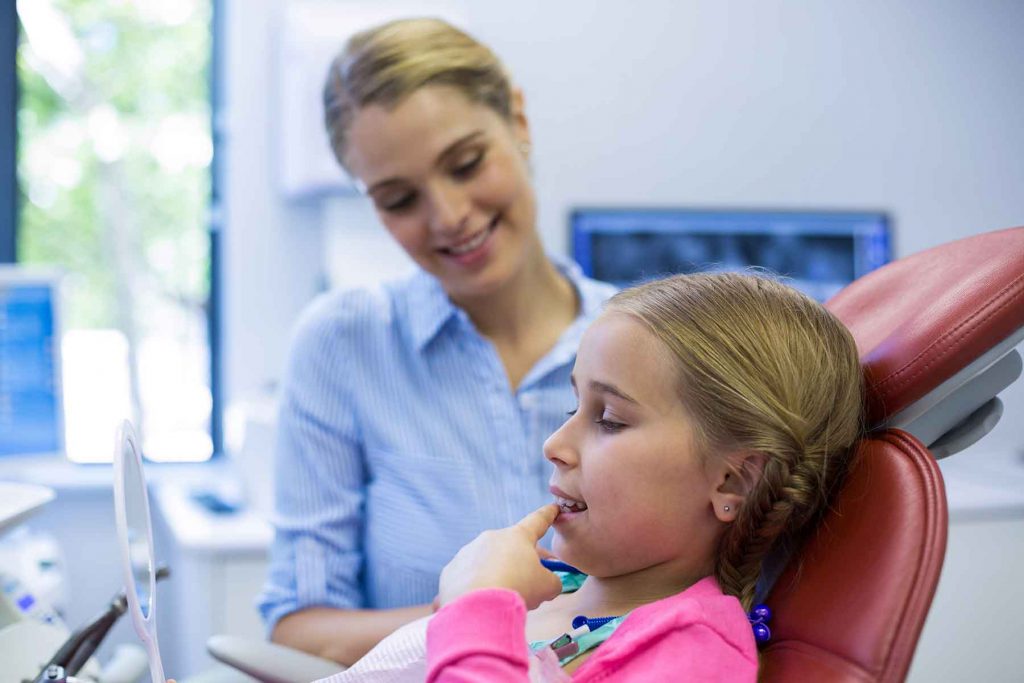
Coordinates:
(164, 172)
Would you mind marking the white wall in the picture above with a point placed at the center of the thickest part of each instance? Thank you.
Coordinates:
(272, 249)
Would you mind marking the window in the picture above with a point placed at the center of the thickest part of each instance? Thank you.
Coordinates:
(114, 174)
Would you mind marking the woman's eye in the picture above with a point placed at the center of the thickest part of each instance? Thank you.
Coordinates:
(399, 203)
(572, 412)
(467, 167)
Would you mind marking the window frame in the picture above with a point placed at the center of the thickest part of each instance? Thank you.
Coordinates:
(10, 32)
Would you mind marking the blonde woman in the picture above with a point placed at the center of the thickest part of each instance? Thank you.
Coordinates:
(413, 416)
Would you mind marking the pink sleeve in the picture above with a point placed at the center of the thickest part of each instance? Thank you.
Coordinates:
(479, 637)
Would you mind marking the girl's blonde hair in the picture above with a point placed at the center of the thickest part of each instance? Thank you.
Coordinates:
(386, 64)
(762, 369)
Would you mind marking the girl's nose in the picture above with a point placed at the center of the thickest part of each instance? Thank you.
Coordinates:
(560, 448)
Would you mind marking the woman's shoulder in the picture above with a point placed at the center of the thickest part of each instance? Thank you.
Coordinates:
(360, 309)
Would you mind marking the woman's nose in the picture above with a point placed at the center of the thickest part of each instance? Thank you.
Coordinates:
(450, 207)
(559, 447)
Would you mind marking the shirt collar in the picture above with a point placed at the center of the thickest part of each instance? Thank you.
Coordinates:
(430, 308)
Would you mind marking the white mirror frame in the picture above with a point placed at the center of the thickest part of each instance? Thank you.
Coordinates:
(145, 626)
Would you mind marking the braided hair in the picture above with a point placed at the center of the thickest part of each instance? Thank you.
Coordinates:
(762, 369)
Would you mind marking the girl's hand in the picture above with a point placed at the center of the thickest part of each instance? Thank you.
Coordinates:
(505, 558)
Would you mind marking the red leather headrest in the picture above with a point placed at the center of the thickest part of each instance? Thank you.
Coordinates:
(851, 605)
(921, 319)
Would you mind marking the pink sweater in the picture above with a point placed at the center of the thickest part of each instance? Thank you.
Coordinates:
(697, 635)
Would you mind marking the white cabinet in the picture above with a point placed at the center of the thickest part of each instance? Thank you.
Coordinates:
(218, 565)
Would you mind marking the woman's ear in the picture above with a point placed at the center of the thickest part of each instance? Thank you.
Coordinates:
(733, 478)
(520, 124)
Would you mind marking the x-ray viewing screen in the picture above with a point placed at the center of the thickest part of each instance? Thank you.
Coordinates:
(819, 252)
(30, 419)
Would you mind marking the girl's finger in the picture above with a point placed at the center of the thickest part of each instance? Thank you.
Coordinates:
(539, 521)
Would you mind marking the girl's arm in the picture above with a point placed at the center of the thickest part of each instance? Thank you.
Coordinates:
(480, 636)
(480, 632)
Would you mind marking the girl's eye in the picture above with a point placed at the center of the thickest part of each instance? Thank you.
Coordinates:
(572, 412)
(466, 168)
(610, 426)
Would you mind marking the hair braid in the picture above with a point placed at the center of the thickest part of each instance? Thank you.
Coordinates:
(779, 504)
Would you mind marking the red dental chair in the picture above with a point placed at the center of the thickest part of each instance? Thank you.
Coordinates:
(936, 333)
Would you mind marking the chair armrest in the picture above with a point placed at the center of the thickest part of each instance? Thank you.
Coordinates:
(270, 662)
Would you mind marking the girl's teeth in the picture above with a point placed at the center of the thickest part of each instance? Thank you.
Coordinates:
(570, 505)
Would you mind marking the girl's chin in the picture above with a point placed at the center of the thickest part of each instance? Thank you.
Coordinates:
(564, 552)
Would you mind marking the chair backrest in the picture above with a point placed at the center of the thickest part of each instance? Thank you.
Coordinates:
(851, 604)
(936, 331)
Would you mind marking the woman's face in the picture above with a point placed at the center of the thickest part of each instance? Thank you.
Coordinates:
(628, 453)
(450, 181)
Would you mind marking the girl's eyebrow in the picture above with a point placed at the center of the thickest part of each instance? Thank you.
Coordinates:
(446, 152)
(605, 388)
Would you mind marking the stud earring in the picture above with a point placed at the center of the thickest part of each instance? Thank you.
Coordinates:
(727, 508)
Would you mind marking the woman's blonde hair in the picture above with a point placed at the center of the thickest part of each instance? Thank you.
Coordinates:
(762, 369)
(386, 64)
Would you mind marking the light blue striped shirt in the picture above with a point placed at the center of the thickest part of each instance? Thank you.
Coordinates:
(400, 439)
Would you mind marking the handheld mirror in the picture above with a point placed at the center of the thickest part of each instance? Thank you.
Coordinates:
(135, 538)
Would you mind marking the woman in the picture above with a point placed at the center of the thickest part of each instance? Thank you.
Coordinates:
(413, 417)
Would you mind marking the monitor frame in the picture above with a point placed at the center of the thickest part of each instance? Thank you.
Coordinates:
(577, 236)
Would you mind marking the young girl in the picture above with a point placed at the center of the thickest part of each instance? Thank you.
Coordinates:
(715, 415)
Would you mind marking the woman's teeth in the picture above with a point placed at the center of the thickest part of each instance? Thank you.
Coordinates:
(472, 244)
(570, 505)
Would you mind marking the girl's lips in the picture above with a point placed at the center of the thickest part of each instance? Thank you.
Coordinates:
(566, 516)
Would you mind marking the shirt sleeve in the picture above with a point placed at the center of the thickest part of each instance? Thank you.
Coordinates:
(320, 479)
(481, 636)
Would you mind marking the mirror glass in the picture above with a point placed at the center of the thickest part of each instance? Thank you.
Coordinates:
(138, 528)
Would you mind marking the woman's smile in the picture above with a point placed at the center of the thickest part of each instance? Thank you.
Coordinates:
(475, 248)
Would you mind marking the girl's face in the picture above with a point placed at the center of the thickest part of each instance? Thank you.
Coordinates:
(628, 453)
(450, 182)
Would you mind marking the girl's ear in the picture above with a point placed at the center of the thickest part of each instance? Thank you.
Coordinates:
(733, 478)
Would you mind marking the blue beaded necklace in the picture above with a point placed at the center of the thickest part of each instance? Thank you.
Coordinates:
(587, 632)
